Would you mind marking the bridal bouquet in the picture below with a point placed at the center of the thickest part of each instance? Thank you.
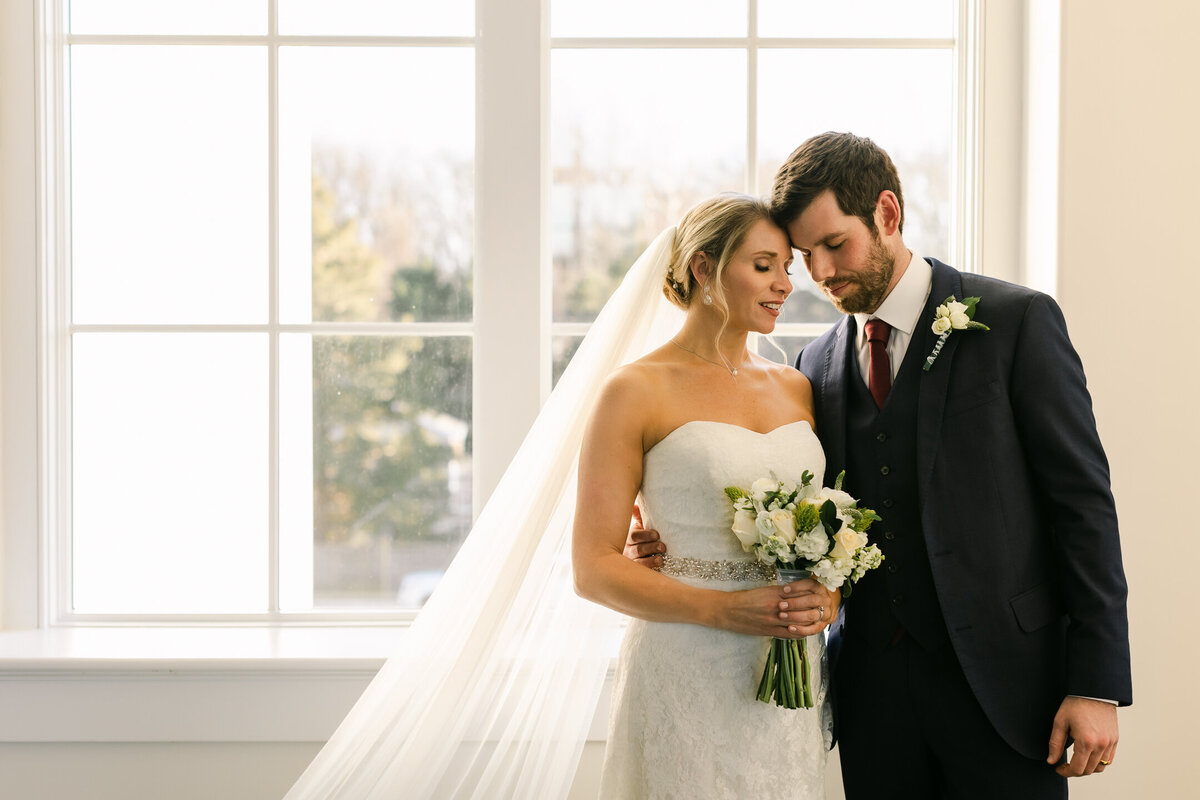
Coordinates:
(802, 530)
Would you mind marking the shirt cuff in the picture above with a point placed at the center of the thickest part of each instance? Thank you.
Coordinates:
(1097, 699)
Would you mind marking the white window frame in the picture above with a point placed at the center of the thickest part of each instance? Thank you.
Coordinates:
(511, 350)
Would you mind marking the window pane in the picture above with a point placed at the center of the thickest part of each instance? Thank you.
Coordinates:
(637, 138)
(168, 184)
(915, 126)
(156, 16)
(169, 473)
(674, 18)
(377, 17)
(785, 348)
(564, 351)
(857, 18)
(390, 495)
(376, 183)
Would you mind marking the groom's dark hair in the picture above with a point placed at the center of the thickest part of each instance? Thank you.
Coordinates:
(853, 167)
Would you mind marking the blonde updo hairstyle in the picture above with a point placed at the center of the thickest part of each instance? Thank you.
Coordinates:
(716, 227)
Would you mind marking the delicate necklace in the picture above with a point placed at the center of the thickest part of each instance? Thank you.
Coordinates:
(732, 370)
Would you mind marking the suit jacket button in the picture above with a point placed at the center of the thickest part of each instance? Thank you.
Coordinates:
(898, 599)
(882, 437)
(893, 568)
(889, 503)
(889, 535)
(885, 469)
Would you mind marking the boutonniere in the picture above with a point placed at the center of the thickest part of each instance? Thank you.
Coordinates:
(949, 317)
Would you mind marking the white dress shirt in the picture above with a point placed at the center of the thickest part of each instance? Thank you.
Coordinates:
(902, 310)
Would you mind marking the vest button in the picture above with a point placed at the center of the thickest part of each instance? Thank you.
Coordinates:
(885, 469)
(893, 568)
(889, 503)
(898, 599)
(882, 437)
(889, 535)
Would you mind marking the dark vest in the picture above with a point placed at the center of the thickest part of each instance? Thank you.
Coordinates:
(881, 470)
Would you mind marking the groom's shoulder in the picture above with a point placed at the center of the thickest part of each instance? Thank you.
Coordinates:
(812, 356)
(996, 295)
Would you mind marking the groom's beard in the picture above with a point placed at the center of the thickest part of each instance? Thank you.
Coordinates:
(869, 284)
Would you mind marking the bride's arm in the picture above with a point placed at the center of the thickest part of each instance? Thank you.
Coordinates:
(610, 474)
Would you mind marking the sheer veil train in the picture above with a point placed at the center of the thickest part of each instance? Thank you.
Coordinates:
(493, 688)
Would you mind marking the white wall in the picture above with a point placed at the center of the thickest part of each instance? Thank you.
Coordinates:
(1129, 272)
(1129, 278)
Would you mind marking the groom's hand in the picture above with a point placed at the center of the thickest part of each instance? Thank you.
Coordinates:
(642, 546)
(1093, 725)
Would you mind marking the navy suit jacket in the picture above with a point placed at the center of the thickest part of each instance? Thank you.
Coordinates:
(1016, 510)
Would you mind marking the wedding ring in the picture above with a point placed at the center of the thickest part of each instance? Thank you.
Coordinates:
(822, 610)
(1105, 763)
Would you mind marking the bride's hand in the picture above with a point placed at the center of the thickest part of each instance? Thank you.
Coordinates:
(758, 612)
(809, 608)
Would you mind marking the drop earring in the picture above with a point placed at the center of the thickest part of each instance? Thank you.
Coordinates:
(707, 297)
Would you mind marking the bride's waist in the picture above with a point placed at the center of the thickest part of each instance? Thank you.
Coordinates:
(689, 570)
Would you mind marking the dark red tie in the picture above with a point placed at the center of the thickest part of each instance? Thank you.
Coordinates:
(879, 372)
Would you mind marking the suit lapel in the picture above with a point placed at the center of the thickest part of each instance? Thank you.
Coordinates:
(934, 384)
(833, 435)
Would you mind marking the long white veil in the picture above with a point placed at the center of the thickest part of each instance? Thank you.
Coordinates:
(495, 684)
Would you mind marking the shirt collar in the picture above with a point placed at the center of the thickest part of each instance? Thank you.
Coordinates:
(902, 308)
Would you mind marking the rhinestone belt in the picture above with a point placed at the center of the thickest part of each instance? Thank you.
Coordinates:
(717, 570)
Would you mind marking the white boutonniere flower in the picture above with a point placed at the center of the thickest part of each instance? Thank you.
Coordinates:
(951, 316)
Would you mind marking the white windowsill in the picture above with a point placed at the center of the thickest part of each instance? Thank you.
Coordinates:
(115, 649)
(194, 684)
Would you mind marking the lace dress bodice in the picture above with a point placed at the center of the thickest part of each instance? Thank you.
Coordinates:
(685, 722)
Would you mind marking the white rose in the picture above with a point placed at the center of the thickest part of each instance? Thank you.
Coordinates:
(941, 325)
(847, 543)
(955, 307)
(744, 528)
(787, 487)
(759, 489)
(959, 320)
(785, 524)
(840, 499)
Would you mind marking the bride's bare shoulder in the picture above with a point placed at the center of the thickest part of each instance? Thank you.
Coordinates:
(792, 381)
(646, 375)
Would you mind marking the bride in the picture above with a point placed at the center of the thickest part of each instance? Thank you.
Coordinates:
(492, 690)
(672, 429)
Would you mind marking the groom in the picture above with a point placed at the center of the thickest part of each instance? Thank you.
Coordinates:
(996, 627)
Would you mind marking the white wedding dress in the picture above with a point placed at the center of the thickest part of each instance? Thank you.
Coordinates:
(685, 722)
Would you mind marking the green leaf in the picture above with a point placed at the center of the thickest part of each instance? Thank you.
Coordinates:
(829, 517)
(837, 484)
(977, 326)
(806, 478)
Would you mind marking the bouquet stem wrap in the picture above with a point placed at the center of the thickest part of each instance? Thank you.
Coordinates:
(787, 676)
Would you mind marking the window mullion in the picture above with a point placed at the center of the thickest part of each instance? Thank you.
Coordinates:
(273, 547)
(511, 127)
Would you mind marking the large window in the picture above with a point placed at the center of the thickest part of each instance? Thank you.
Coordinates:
(655, 106)
(280, 255)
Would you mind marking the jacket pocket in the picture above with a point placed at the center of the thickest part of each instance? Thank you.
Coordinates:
(1036, 608)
